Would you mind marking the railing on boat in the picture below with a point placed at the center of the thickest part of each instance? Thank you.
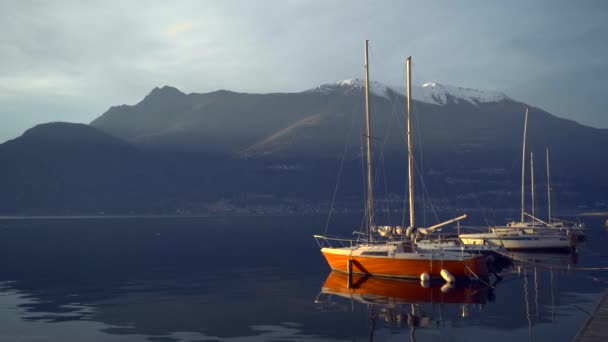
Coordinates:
(335, 242)
(342, 242)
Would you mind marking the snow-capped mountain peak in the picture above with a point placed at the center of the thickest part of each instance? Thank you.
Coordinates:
(356, 84)
(440, 94)
(432, 92)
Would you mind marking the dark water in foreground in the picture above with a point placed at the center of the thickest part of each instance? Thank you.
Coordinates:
(259, 279)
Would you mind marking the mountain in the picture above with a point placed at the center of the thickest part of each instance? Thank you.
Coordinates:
(220, 121)
(445, 117)
(51, 138)
(235, 152)
(471, 139)
(316, 122)
(56, 166)
(66, 169)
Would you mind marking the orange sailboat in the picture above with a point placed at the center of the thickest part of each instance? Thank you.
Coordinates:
(394, 253)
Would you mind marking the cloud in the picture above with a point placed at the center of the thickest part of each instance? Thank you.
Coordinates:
(176, 29)
(87, 56)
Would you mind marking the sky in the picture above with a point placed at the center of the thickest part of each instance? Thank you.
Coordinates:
(72, 60)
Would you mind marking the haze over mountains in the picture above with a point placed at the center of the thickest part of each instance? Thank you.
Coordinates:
(225, 151)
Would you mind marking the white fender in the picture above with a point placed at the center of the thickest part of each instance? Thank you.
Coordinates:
(384, 231)
(447, 276)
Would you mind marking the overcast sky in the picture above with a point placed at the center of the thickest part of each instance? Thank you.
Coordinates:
(72, 60)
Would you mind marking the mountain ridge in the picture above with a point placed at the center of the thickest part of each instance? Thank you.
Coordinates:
(249, 125)
(176, 153)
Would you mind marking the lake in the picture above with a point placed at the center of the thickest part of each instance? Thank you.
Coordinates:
(263, 279)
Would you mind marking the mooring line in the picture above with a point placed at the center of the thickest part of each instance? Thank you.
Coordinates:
(478, 278)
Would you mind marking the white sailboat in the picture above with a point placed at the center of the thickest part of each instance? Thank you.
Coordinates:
(398, 256)
(524, 235)
(578, 229)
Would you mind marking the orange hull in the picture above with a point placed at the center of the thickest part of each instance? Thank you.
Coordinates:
(407, 268)
(403, 291)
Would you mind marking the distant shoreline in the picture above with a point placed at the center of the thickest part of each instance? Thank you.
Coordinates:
(151, 216)
(595, 213)
(47, 217)
(185, 216)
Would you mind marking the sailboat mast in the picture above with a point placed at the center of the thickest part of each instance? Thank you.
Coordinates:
(370, 195)
(523, 166)
(410, 154)
(548, 189)
(532, 181)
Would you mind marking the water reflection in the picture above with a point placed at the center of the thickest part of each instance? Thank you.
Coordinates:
(382, 291)
(544, 260)
(160, 279)
(181, 308)
(187, 281)
(406, 304)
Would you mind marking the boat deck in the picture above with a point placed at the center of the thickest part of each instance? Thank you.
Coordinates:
(595, 327)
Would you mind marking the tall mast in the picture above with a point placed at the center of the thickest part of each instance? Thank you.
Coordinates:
(532, 181)
(548, 188)
(523, 165)
(368, 136)
(410, 154)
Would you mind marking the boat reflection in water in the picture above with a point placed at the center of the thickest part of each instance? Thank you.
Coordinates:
(405, 303)
(545, 260)
(374, 290)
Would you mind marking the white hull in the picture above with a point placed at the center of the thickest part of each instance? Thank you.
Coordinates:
(457, 246)
(519, 240)
(543, 228)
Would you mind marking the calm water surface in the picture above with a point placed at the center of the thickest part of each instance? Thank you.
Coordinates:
(261, 279)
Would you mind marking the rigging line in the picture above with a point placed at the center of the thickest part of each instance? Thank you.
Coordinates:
(483, 209)
(400, 108)
(478, 278)
(397, 107)
(362, 227)
(340, 169)
(403, 131)
(364, 185)
(387, 133)
(373, 109)
(509, 176)
(420, 156)
(388, 209)
(427, 194)
(404, 209)
(379, 168)
(380, 165)
(393, 117)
